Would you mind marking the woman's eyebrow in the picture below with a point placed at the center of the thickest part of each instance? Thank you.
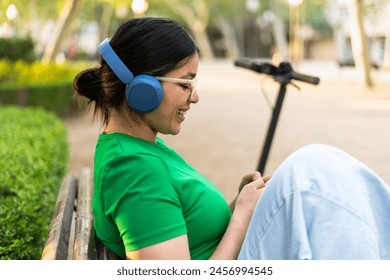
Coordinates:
(189, 74)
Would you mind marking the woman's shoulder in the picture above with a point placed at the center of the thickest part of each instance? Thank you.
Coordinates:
(119, 165)
(118, 149)
(119, 143)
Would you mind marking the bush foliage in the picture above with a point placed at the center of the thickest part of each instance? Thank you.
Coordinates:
(33, 160)
(35, 84)
(51, 97)
(22, 74)
(14, 49)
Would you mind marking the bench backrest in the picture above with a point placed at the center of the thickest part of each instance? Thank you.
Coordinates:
(71, 232)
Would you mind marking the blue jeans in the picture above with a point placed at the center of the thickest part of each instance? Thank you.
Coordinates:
(321, 204)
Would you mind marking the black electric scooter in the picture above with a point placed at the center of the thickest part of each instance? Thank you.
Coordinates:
(284, 75)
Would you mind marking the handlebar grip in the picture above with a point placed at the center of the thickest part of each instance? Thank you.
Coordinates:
(251, 65)
(243, 63)
(283, 69)
(305, 78)
(262, 68)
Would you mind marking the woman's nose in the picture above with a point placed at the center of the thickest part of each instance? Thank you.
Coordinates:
(194, 98)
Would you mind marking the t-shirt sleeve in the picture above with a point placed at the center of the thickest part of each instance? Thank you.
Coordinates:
(143, 201)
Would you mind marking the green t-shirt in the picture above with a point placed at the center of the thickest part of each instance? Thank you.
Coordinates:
(145, 193)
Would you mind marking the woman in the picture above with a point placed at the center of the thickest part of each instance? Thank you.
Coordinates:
(150, 204)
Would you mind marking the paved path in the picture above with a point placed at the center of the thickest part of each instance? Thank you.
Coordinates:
(223, 134)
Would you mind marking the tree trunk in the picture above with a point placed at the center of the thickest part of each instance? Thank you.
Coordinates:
(386, 60)
(279, 31)
(280, 39)
(359, 42)
(67, 14)
(104, 23)
(229, 38)
(203, 43)
(197, 17)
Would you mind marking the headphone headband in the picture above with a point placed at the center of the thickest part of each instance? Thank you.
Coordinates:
(114, 62)
(143, 93)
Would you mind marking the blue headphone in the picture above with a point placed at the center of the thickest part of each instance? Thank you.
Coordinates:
(144, 92)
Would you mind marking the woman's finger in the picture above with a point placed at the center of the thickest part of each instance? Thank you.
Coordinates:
(267, 178)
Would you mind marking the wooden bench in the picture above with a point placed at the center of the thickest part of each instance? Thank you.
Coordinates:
(71, 233)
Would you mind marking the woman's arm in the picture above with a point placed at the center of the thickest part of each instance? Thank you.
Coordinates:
(246, 201)
(172, 249)
(230, 245)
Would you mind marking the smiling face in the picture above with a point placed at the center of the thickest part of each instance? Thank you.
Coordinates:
(168, 117)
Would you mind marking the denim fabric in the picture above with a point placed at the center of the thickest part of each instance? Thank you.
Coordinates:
(321, 203)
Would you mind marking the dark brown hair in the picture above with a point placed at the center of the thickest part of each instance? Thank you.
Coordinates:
(147, 45)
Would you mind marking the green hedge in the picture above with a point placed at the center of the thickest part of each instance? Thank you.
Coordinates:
(15, 49)
(22, 74)
(35, 84)
(57, 98)
(33, 161)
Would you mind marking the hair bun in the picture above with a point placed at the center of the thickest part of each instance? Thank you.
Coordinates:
(87, 83)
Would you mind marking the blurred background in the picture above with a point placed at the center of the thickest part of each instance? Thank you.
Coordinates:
(346, 43)
(44, 44)
(339, 30)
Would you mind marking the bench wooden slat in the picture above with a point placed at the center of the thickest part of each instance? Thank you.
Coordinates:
(84, 245)
(103, 253)
(71, 227)
(57, 244)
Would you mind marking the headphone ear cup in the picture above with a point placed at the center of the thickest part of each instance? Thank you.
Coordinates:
(144, 94)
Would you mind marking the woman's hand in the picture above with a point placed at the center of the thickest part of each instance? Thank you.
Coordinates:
(255, 181)
(253, 176)
(250, 190)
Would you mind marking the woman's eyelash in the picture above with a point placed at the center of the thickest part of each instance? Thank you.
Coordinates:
(185, 86)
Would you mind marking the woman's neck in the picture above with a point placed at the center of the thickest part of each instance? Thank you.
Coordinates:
(119, 123)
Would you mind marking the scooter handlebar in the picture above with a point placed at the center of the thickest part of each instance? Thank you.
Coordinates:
(263, 68)
(269, 69)
(305, 78)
